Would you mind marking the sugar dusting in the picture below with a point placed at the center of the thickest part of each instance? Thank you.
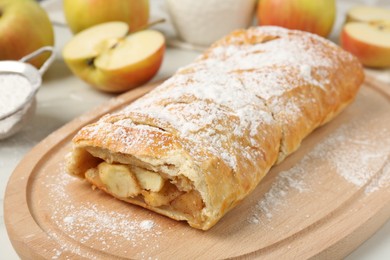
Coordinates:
(275, 197)
(146, 224)
(356, 154)
(14, 90)
(230, 85)
(353, 152)
(91, 221)
(95, 225)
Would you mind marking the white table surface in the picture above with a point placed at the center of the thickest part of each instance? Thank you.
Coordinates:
(63, 97)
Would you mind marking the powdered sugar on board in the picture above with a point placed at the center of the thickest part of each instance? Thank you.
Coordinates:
(355, 155)
(95, 225)
(353, 151)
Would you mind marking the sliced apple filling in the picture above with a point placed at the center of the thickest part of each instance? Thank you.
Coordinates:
(156, 190)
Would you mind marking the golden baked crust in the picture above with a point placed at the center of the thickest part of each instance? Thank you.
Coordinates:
(217, 126)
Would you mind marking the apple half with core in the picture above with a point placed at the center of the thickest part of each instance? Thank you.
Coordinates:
(82, 14)
(369, 42)
(24, 28)
(315, 16)
(110, 59)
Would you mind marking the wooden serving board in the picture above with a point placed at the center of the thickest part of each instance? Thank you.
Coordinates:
(322, 201)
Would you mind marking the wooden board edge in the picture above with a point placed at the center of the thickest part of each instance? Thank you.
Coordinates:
(353, 240)
(93, 115)
(378, 85)
(17, 235)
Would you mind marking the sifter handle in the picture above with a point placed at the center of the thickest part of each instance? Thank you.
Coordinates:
(38, 52)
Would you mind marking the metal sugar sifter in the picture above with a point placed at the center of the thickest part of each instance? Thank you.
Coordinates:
(15, 111)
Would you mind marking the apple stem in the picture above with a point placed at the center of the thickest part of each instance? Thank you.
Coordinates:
(146, 26)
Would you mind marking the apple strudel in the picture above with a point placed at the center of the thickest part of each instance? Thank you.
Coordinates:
(199, 143)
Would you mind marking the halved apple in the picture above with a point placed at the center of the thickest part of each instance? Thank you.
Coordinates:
(110, 59)
(368, 14)
(369, 42)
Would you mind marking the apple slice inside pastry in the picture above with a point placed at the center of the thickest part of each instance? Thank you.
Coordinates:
(125, 182)
(154, 189)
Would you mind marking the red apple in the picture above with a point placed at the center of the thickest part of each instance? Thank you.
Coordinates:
(316, 16)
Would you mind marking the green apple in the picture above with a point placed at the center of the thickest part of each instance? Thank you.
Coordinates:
(109, 58)
(81, 14)
(24, 28)
(316, 16)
